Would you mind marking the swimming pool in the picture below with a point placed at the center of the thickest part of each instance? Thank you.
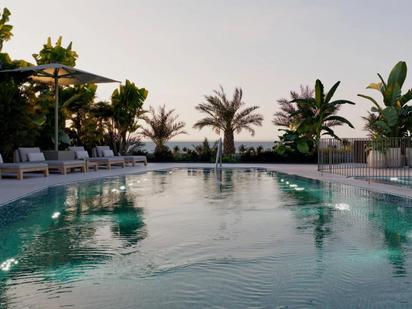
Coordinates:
(195, 239)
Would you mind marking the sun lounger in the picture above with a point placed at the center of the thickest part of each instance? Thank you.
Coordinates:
(106, 162)
(34, 155)
(20, 168)
(100, 152)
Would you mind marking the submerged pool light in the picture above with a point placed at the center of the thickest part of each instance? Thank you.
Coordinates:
(342, 206)
(55, 215)
(394, 179)
(7, 264)
(299, 189)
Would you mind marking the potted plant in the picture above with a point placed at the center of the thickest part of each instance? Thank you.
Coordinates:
(376, 151)
(391, 119)
(393, 153)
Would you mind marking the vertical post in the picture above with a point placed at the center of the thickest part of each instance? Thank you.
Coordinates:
(219, 154)
(56, 112)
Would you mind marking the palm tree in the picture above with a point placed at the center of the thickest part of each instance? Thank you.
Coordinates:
(288, 117)
(228, 116)
(163, 126)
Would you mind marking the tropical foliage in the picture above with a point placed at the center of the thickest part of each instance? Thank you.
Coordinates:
(162, 126)
(56, 54)
(315, 117)
(127, 106)
(5, 28)
(228, 116)
(27, 114)
(27, 108)
(393, 118)
(288, 117)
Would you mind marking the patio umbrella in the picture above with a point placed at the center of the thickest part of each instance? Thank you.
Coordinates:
(59, 74)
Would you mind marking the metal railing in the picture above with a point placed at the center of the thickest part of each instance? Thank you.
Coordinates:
(219, 154)
(372, 159)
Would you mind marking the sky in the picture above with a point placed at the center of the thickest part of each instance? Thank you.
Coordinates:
(181, 50)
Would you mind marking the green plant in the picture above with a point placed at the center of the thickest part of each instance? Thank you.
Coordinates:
(162, 127)
(78, 102)
(394, 118)
(376, 144)
(228, 116)
(316, 116)
(204, 152)
(287, 117)
(5, 28)
(19, 119)
(56, 54)
(127, 104)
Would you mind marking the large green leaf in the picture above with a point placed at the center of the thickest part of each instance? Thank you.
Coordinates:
(392, 94)
(329, 131)
(339, 119)
(302, 146)
(331, 92)
(406, 97)
(390, 115)
(383, 125)
(372, 100)
(340, 102)
(319, 93)
(398, 74)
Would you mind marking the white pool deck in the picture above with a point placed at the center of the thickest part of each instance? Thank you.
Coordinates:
(12, 189)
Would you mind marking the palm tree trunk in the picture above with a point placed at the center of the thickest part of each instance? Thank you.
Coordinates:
(228, 143)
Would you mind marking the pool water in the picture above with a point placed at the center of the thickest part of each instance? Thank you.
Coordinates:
(197, 239)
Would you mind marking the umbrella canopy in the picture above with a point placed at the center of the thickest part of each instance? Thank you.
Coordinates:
(59, 74)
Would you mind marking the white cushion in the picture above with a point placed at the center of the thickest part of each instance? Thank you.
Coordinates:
(24, 151)
(100, 149)
(108, 153)
(81, 154)
(1, 159)
(35, 156)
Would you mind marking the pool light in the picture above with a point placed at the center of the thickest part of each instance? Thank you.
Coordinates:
(394, 179)
(7, 264)
(299, 189)
(55, 215)
(342, 206)
(122, 188)
(293, 186)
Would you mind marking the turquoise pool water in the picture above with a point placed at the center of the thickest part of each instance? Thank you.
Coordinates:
(190, 239)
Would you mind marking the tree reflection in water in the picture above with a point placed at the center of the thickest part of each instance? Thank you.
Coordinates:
(390, 219)
(97, 220)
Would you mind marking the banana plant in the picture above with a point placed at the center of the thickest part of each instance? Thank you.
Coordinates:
(318, 115)
(5, 28)
(393, 118)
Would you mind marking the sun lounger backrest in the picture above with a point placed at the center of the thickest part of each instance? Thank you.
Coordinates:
(1, 159)
(23, 151)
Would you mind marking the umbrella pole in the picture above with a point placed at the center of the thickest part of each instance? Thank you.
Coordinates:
(56, 114)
